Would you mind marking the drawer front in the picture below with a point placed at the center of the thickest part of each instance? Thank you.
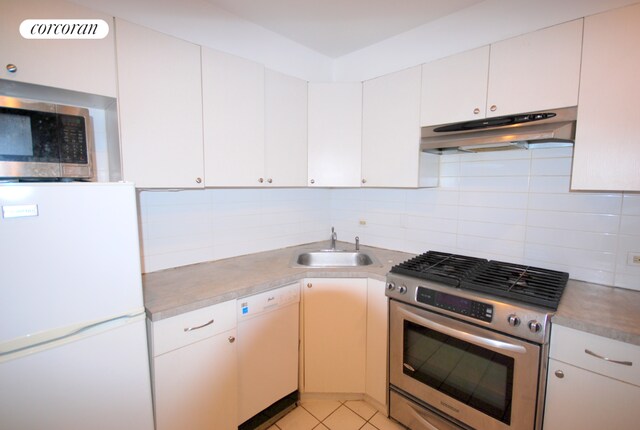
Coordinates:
(589, 351)
(185, 329)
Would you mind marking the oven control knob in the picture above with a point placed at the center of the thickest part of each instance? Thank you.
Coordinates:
(535, 326)
(513, 320)
(402, 289)
(391, 286)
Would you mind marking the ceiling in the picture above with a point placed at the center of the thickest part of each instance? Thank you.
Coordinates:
(338, 27)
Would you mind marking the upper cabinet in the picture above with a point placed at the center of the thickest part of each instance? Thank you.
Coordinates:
(536, 71)
(391, 130)
(160, 106)
(607, 148)
(81, 65)
(335, 134)
(233, 106)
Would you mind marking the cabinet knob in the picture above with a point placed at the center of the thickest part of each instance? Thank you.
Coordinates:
(232, 339)
(261, 180)
(12, 68)
(476, 111)
(364, 181)
(313, 181)
(493, 108)
(309, 285)
(559, 374)
(198, 180)
(269, 180)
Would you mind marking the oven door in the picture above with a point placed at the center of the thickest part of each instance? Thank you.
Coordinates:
(478, 377)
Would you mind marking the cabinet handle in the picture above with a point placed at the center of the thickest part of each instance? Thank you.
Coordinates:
(232, 339)
(476, 111)
(261, 180)
(200, 326)
(364, 181)
(269, 180)
(12, 68)
(493, 108)
(593, 354)
(198, 180)
(309, 285)
(312, 181)
(559, 374)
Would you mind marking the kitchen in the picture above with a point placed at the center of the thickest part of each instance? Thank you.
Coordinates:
(523, 214)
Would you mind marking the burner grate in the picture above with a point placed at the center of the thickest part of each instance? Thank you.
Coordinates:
(440, 267)
(524, 283)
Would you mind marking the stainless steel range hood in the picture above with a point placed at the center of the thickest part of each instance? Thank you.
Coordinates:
(543, 129)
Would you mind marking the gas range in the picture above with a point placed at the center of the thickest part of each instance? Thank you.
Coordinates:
(513, 299)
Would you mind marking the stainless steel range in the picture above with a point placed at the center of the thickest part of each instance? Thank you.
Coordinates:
(469, 342)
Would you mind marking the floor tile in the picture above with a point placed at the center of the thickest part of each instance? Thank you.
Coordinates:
(368, 426)
(344, 419)
(383, 423)
(298, 419)
(321, 427)
(320, 409)
(361, 408)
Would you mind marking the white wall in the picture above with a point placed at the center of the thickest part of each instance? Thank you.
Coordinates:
(479, 25)
(512, 206)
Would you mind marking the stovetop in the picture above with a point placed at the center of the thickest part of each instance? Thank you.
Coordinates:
(525, 284)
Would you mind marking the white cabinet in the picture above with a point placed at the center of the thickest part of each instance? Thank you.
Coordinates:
(391, 130)
(81, 65)
(160, 108)
(535, 71)
(607, 148)
(286, 130)
(588, 392)
(454, 88)
(233, 106)
(194, 365)
(335, 134)
(376, 382)
(335, 335)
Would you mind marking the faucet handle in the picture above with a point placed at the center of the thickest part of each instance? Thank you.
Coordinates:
(357, 243)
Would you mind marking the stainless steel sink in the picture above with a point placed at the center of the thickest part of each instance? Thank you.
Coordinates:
(331, 258)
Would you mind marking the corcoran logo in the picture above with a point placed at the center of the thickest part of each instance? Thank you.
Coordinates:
(64, 29)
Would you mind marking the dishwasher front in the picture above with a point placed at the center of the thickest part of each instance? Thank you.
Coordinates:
(268, 338)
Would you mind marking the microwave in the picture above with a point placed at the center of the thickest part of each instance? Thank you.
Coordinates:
(45, 141)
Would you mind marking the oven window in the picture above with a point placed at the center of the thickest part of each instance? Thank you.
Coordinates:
(473, 375)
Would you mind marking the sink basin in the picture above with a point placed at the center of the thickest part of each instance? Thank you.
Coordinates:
(331, 258)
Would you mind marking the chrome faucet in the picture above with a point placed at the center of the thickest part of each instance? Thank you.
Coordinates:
(357, 243)
(334, 237)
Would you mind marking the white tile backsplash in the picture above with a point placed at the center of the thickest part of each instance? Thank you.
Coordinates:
(513, 206)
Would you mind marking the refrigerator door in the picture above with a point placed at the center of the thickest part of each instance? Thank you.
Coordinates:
(69, 253)
(98, 381)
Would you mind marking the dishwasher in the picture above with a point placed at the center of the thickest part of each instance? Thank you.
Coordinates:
(268, 339)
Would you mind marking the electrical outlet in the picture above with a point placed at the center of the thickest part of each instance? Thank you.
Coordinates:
(363, 222)
(633, 259)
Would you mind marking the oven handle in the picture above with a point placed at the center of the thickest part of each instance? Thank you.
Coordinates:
(463, 335)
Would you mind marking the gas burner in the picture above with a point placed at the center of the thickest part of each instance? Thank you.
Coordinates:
(440, 267)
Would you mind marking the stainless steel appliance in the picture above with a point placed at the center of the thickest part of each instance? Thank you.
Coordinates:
(41, 140)
(469, 342)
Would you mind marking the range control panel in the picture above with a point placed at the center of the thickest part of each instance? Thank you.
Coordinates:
(453, 303)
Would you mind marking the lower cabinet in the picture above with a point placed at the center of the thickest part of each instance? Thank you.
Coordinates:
(376, 384)
(585, 391)
(195, 369)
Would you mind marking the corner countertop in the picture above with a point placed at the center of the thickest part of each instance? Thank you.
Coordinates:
(596, 309)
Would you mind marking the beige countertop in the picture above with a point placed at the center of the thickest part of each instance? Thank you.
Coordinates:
(597, 309)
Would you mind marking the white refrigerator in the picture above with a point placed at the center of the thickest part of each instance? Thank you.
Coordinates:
(73, 346)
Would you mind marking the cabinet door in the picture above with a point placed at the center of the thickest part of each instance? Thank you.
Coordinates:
(335, 335)
(233, 104)
(285, 130)
(455, 88)
(391, 130)
(607, 148)
(335, 134)
(587, 400)
(377, 341)
(81, 65)
(159, 95)
(195, 386)
(539, 70)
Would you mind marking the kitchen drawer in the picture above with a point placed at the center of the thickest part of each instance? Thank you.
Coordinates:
(570, 346)
(185, 329)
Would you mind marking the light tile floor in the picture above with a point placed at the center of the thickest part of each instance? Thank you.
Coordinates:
(335, 415)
